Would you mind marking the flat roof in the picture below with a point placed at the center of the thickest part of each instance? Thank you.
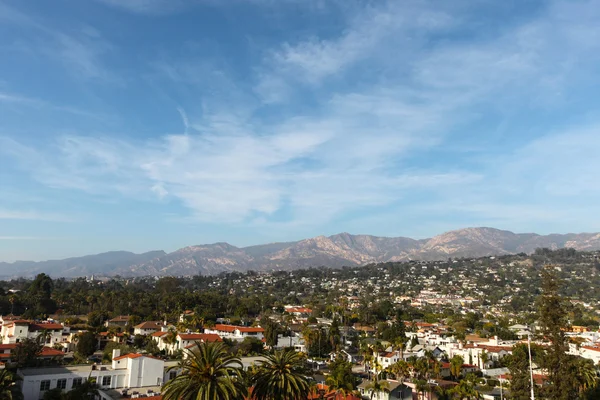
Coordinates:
(64, 369)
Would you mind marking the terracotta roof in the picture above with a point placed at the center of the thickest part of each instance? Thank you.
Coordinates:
(134, 355)
(489, 349)
(591, 348)
(159, 334)
(46, 351)
(147, 325)
(231, 328)
(48, 326)
(387, 355)
(120, 318)
(49, 352)
(203, 337)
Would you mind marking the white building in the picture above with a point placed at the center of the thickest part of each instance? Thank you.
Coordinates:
(14, 331)
(236, 332)
(128, 371)
(146, 328)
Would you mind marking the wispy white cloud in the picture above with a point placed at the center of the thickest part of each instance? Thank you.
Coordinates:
(21, 238)
(354, 150)
(149, 7)
(81, 51)
(33, 215)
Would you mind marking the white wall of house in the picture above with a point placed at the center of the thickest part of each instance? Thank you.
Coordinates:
(124, 373)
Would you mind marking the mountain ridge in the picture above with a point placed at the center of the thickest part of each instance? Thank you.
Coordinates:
(342, 249)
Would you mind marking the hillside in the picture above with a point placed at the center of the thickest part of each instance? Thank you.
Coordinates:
(338, 250)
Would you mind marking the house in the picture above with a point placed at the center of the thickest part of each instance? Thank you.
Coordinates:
(105, 337)
(353, 357)
(189, 340)
(579, 329)
(17, 330)
(47, 353)
(235, 332)
(395, 391)
(120, 321)
(146, 328)
(474, 354)
(386, 359)
(591, 353)
(160, 338)
(128, 371)
(296, 342)
(186, 315)
(298, 311)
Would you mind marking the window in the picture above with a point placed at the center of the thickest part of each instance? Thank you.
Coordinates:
(44, 385)
(172, 374)
(106, 380)
(61, 383)
(77, 382)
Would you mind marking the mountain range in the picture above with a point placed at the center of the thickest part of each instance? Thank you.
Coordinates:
(338, 250)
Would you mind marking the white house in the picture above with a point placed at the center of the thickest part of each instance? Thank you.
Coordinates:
(146, 328)
(591, 353)
(128, 371)
(189, 340)
(386, 359)
(16, 330)
(236, 332)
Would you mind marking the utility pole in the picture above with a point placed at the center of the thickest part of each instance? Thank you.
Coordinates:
(530, 365)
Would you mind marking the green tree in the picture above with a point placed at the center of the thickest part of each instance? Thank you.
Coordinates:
(518, 365)
(341, 379)
(281, 377)
(86, 344)
(552, 309)
(456, 364)
(209, 373)
(466, 388)
(586, 376)
(377, 386)
(26, 352)
(8, 386)
(54, 394)
(87, 390)
(271, 331)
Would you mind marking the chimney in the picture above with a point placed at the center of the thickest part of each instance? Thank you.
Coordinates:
(116, 353)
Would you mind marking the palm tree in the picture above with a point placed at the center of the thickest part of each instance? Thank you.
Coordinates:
(377, 386)
(585, 373)
(443, 394)
(466, 388)
(421, 386)
(456, 364)
(340, 386)
(8, 388)
(280, 377)
(209, 373)
(171, 338)
(484, 357)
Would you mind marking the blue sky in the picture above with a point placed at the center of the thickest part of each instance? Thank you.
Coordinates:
(155, 124)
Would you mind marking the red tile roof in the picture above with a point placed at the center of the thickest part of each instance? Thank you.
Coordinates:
(147, 325)
(231, 328)
(134, 355)
(47, 326)
(49, 352)
(202, 337)
(159, 334)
